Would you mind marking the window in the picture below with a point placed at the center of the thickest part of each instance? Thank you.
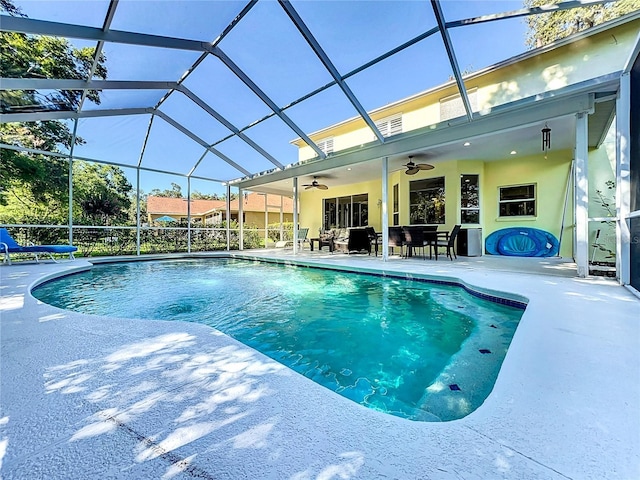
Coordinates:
(360, 215)
(452, 107)
(396, 206)
(426, 201)
(326, 145)
(390, 125)
(330, 218)
(517, 201)
(349, 211)
(469, 199)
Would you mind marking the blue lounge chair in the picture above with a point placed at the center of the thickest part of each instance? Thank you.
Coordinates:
(8, 245)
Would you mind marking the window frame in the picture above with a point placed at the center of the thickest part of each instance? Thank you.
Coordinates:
(354, 210)
(523, 200)
(391, 125)
(326, 145)
(439, 217)
(396, 205)
(469, 209)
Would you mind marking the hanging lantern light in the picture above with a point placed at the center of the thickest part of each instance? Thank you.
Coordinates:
(546, 139)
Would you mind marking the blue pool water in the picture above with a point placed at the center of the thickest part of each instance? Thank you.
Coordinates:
(413, 349)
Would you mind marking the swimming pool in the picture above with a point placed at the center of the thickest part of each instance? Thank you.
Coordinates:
(418, 350)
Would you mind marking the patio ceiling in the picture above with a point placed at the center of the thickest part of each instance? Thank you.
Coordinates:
(219, 92)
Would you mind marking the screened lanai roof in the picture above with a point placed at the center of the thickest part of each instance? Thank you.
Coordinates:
(218, 90)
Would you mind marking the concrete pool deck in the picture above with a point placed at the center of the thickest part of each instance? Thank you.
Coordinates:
(94, 397)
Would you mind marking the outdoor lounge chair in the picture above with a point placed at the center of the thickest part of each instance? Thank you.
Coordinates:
(302, 239)
(303, 233)
(9, 245)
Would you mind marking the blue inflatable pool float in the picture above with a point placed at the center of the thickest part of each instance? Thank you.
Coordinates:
(522, 242)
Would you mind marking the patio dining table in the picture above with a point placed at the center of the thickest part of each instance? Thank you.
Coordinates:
(432, 238)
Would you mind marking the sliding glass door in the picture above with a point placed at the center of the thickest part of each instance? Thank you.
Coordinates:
(345, 212)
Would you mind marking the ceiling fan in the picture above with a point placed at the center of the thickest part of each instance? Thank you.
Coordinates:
(413, 168)
(315, 184)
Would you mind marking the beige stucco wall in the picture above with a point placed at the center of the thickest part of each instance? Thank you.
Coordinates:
(312, 201)
(256, 219)
(587, 58)
(549, 175)
(590, 57)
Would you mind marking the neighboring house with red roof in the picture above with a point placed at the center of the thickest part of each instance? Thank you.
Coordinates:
(210, 212)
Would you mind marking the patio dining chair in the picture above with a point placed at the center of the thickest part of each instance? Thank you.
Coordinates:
(396, 239)
(414, 240)
(373, 238)
(449, 243)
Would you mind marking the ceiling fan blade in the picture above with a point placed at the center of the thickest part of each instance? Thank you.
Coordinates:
(308, 187)
(322, 187)
(425, 166)
(412, 171)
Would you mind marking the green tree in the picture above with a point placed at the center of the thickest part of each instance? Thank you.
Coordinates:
(549, 27)
(29, 56)
(175, 192)
(205, 196)
(101, 194)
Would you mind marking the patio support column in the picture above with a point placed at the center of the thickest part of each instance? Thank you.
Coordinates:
(623, 177)
(138, 211)
(581, 183)
(266, 221)
(385, 216)
(70, 200)
(73, 143)
(240, 220)
(295, 215)
(188, 214)
(281, 216)
(228, 216)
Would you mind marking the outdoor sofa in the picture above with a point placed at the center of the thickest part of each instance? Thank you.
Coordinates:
(348, 240)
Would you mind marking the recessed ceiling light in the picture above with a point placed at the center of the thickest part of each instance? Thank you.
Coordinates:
(349, 168)
(513, 152)
(466, 144)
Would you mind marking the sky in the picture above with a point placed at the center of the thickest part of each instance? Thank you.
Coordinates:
(269, 49)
